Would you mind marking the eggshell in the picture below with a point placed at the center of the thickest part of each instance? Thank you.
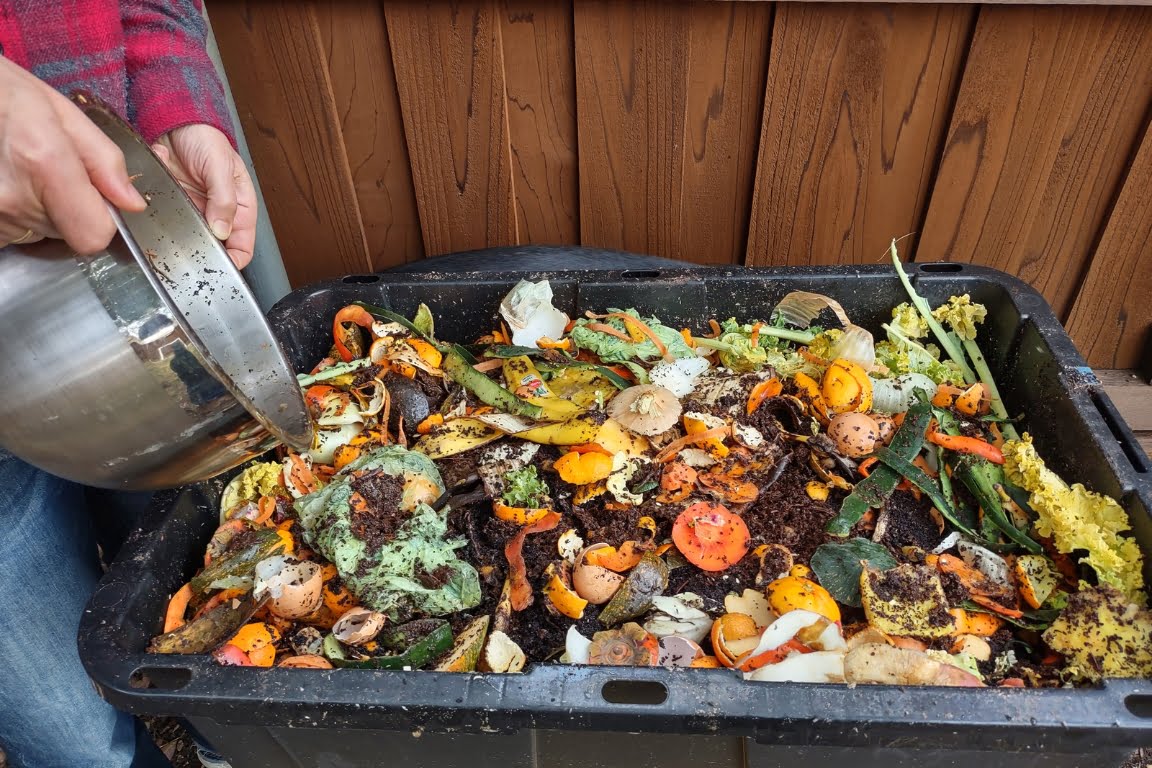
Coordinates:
(594, 583)
(855, 434)
(358, 626)
(885, 426)
(294, 586)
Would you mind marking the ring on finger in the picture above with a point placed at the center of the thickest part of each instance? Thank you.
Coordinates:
(24, 238)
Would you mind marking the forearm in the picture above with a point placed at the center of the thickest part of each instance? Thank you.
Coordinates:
(171, 79)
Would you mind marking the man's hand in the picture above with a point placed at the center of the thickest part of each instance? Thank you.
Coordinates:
(56, 168)
(203, 161)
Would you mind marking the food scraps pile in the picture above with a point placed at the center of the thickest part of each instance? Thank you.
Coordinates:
(788, 498)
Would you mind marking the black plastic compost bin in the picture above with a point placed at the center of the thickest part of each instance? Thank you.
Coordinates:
(554, 715)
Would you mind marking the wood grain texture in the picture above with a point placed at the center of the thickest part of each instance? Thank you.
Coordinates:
(669, 100)
(1112, 317)
(540, 80)
(1131, 394)
(359, 63)
(449, 74)
(273, 53)
(856, 106)
(1051, 104)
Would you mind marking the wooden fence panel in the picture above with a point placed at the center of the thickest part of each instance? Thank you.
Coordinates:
(540, 78)
(668, 99)
(449, 72)
(717, 132)
(857, 102)
(1052, 102)
(274, 56)
(363, 83)
(1112, 316)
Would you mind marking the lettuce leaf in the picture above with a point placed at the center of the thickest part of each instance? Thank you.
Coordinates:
(415, 569)
(1078, 519)
(611, 349)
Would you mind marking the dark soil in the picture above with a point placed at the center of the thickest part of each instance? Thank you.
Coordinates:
(784, 513)
(377, 523)
(909, 523)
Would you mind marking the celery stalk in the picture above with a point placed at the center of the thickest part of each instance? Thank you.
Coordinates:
(947, 343)
(994, 393)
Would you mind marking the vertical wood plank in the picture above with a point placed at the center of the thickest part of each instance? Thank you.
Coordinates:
(363, 82)
(450, 78)
(1051, 105)
(668, 103)
(856, 106)
(539, 76)
(1112, 315)
(275, 65)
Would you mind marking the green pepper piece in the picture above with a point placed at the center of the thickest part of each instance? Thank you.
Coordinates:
(980, 477)
(241, 563)
(634, 598)
(874, 490)
(506, 351)
(392, 317)
(487, 390)
(433, 638)
(921, 480)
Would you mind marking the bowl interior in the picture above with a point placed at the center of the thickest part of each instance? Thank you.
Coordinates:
(193, 273)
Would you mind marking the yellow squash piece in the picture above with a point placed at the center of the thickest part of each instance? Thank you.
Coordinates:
(695, 423)
(466, 651)
(1035, 577)
(1102, 634)
(582, 386)
(613, 438)
(810, 393)
(563, 598)
(793, 592)
(846, 387)
(907, 601)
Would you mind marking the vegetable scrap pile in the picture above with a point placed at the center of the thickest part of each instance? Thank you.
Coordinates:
(789, 498)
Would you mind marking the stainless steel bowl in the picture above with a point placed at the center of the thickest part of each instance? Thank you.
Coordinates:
(148, 365)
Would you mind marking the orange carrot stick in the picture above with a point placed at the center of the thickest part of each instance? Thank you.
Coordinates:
(605, 328)
(174, 616)
(973, 445)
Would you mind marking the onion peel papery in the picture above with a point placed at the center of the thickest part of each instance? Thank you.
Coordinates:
(520, 590)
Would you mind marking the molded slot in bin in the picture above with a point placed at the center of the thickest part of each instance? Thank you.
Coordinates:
(941, 266)
(160, 678)
(1134, 452)
(361, 279)
(639, 274)
(634, 692)
(1139, 705)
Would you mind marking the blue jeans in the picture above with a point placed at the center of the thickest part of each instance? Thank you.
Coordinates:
(50, 713)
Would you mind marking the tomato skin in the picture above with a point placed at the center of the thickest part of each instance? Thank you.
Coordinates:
(711, 537)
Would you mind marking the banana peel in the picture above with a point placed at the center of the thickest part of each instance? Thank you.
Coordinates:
(554, 409)
(582, 386)
(576, 431)
(456, 436)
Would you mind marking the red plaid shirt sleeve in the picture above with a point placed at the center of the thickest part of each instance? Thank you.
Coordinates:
(171, 80)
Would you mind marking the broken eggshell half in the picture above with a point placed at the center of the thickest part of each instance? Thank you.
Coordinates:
(295, 587)
(358, 625)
